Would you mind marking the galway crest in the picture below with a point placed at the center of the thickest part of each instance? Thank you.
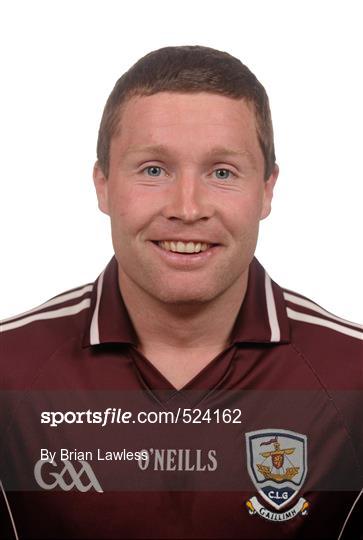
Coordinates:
(277, 464)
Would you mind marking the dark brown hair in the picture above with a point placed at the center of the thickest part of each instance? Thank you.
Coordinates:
(188, 69)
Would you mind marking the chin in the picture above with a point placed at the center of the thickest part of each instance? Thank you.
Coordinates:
(184, 296)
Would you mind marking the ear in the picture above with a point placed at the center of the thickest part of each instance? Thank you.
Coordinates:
(101, 185)
(268, 190)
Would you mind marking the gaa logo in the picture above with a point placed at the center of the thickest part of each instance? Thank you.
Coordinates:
(84, 479)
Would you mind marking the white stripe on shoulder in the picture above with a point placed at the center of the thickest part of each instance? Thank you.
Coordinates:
(54, 301)
(55, 314)
(311, 305)
(298, 316)
(94, 329)
(271, 310)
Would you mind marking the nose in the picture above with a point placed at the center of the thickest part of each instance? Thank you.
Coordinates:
(188, 199)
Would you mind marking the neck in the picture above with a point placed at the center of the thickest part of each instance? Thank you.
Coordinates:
(182, 327)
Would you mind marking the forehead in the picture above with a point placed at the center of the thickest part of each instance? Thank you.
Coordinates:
(198, 119)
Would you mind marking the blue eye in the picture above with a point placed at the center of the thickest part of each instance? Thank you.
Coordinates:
(222, 174)
(153, 170)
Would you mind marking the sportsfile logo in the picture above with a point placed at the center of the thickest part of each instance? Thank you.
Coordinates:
(84, 479)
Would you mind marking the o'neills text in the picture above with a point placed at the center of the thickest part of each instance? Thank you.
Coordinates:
(179, 459)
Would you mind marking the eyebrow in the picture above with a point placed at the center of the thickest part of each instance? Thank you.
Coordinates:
(212, 152)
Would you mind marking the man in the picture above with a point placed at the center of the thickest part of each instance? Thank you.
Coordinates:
(184, 394)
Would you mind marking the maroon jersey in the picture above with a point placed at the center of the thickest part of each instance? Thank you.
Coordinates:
(265, 442)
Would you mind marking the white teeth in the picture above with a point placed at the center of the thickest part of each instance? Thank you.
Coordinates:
(181, 247)
(184, 247)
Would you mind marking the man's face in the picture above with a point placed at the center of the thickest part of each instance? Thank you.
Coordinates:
(185, 194)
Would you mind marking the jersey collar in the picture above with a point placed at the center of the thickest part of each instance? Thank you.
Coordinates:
(262, 317)
(108, 320)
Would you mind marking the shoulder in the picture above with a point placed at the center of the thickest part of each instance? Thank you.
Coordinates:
(29, 338)
(333, 345)
(302, 309)
(332, 349)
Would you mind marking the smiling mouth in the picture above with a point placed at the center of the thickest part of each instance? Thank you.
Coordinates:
(188, 248)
